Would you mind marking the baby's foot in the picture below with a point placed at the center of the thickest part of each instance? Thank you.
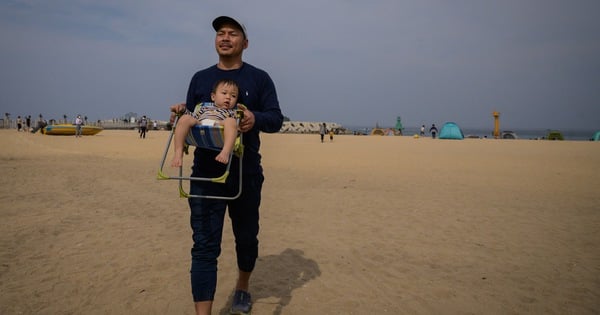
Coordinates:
(177, 161)
(223, 157)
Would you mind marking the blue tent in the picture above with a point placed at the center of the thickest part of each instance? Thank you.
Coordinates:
(451, 130)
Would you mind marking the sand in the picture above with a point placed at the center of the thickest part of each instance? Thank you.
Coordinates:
(363, 225)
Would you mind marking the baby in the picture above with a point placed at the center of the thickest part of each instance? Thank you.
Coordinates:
(225, 96)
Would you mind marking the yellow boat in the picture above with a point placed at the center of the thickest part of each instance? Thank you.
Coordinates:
(69, 130)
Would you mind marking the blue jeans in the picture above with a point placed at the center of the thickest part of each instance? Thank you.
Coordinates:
(207, 218)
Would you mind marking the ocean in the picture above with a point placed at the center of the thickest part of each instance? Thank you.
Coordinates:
(568, 134)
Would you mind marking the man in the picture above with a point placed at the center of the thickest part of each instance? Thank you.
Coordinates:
(143, 127)
(262, 113)
(78, 126)
(433, 130)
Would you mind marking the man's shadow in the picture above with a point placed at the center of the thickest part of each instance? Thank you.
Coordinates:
(276, 276)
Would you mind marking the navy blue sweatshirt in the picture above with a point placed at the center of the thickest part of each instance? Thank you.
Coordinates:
(257, 92)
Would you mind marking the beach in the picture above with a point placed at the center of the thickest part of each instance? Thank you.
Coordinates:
(360, 225)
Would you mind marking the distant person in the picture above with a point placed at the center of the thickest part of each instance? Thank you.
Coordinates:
(433, 130)
(224, 95)
(422, 130)
(19, 123)
(41, 123)
(331, 135)
(143, 126)
(78, 126)
(28, 122)
(322, 131)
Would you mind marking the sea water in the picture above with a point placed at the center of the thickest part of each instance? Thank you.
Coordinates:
(568, 134)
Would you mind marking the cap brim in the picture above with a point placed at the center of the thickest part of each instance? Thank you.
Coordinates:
(222, 20)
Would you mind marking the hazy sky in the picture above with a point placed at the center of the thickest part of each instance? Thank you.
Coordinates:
(357, 63)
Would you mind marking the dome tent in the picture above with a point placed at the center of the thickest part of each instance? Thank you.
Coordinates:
(554, 135)
(509, 135)
(596, 136)
(451, 130)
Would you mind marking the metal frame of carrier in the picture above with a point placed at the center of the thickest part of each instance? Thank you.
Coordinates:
(208, 137)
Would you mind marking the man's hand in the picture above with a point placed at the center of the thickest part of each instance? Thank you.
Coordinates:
(248, 121)
(176, 109)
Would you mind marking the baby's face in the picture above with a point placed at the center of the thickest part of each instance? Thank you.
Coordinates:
(225, 96)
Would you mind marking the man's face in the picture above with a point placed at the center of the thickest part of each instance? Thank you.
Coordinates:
(230, 41)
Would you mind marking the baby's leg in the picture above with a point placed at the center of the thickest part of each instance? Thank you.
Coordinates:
(182, 128)
(229, 135)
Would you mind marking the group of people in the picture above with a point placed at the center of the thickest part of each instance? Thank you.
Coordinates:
(212, 96)
(26, 126)
(433, 131)
(25, 123)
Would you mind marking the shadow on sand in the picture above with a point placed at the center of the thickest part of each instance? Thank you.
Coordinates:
(276, 276)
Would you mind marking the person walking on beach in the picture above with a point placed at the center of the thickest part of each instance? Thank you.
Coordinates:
(433, 130)
(143, 127)
(19, 123)
(330, 135)
(224, 95)
(41, 123)
(322, 131)
(262, 114)
(28, 122)
(422, 130)
(78, 125)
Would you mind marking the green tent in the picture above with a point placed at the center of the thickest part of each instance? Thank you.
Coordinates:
(596, 136)
(554, 135)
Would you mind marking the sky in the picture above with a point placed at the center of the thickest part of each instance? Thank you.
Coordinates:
(357, 63)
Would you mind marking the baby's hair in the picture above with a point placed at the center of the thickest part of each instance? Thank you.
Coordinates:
(225, 82)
